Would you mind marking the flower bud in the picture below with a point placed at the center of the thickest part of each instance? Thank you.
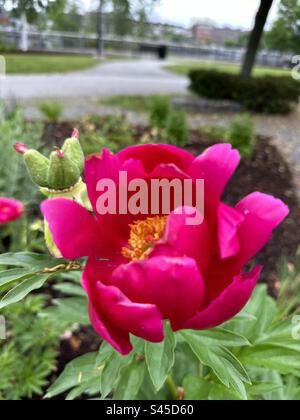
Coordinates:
(37, 166)
(63, 173)
(76, 133)
(21, 148)
(72, 149)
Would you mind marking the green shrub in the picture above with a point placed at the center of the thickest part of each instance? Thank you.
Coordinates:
(28, 356)
(177, 130)
(7, 48)
(159, 111)
(52, 111)
(112, 132)
(241, 134)
(13, 180)
(92, 143)
(267, 94)
(213, 132)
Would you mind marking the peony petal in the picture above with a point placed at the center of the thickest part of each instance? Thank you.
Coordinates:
(114, 316)
(263, 213)
(153, 155)
(189, 240)
(229, 221)
(73, 228)
(104, 166)
(117, 338)
(216, 166)
(233, 299)
(174, 285)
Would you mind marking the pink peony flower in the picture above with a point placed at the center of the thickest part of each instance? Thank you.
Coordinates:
(10, 210)
(142, 271)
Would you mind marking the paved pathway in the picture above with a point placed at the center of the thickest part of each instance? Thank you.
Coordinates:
(116, 78)
(138, 77)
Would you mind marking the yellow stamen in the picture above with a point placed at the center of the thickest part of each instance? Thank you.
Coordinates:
(143, 235)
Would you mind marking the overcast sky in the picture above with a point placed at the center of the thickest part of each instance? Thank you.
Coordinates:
(238, 13)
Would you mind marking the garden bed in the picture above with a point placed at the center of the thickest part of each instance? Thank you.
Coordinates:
(267, 172)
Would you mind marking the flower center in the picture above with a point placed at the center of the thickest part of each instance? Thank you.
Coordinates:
(143, 235)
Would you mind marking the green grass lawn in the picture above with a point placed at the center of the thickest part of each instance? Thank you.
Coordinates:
(185, 68)
(45, 63)
(137, 103)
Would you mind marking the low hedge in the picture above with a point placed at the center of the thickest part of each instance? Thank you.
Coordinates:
(264, 94)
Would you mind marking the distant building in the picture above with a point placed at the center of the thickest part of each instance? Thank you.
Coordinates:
(207, 32)
(4, 19)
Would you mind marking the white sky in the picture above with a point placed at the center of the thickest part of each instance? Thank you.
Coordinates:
(238, 13)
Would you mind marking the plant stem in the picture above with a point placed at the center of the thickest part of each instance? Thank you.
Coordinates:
(172, 387)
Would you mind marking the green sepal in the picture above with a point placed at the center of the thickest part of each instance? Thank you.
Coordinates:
(73, 150)
(63, 173)
(38, 167)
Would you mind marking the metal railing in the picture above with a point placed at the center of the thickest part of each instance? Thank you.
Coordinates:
(67, 42)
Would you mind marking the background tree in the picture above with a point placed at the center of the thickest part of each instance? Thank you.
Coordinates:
(29, 11)
(255, 37)
(285, 32)
(67, 17)
(122, 17)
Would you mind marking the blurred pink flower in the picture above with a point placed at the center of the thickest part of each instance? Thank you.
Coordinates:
(191, 275)
(10, 210)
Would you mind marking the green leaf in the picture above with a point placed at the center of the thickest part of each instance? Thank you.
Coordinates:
(76, 373)
(91, 386)
(112, 372)
(278, 358)
(69, 310)
(263, 307)
(224, 364)
(70, 289)
(131, 381)
(20, 291)
(10, 276)
(221, 393)
(221, 336)
(260, 389)
(196, 388)
(160, 358)
(33, 262)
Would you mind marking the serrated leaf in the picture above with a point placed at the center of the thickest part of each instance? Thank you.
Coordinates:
(224, 364)
(160, 358)
(131, 381)
(20, 291)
